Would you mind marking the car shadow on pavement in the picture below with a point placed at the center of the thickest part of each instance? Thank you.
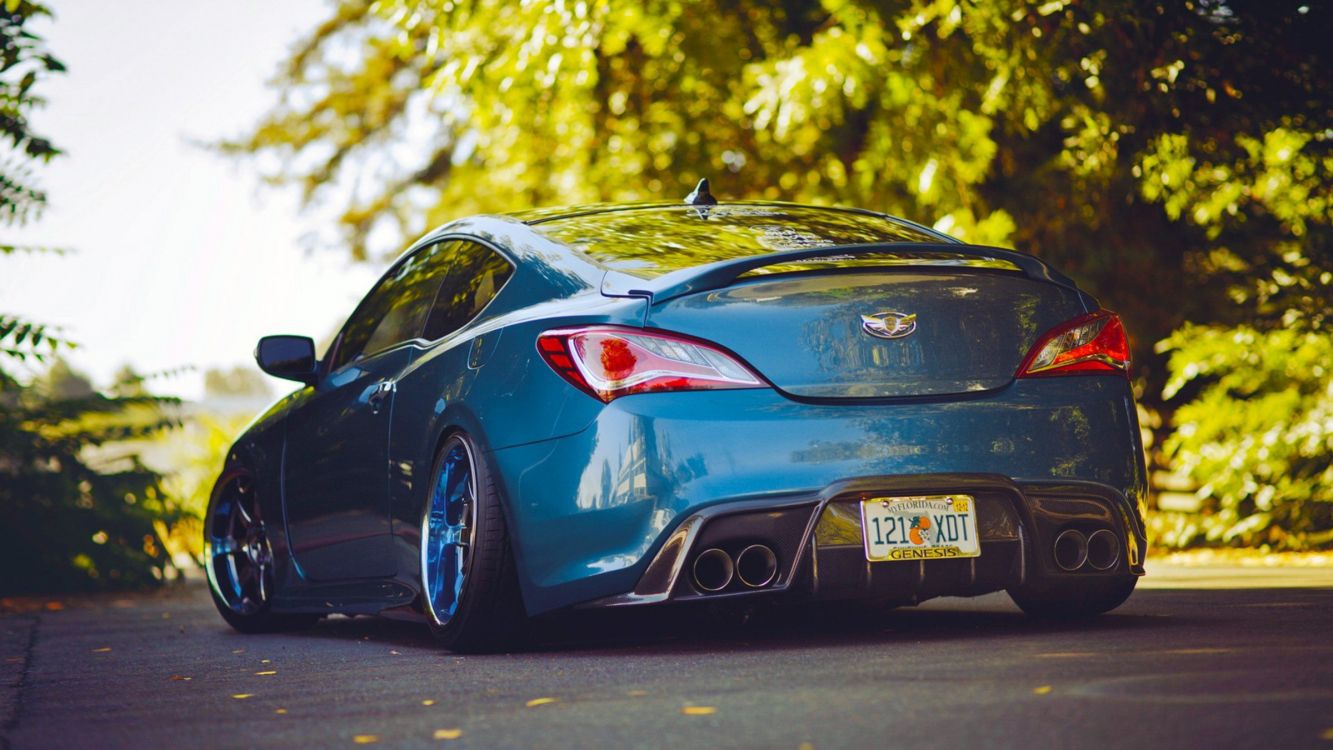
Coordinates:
(699, 629)
(816, 627)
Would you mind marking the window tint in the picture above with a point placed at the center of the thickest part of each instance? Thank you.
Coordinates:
(396, 309)
(476, 275)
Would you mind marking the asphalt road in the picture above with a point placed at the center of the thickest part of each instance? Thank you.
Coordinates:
(1196, 664)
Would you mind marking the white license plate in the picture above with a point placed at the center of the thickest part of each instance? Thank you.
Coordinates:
(923, 527)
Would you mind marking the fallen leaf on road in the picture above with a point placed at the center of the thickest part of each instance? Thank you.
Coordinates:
(102, 650)
(1042, 690)
(428, 702)
(366, 739)
(238, 651)
(698, 710)
(279, 710)
(541, 702)
(806, 746)
(447, 734)
(243, 696)
(636, 693)
(265, 661)
(54, 606)
(178, 678)
(267, 672)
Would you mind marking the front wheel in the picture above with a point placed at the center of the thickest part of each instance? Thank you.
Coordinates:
(239, 559)
(1074, 598)
(469, 586)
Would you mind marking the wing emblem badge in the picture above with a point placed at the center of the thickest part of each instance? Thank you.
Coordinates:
(889, 324)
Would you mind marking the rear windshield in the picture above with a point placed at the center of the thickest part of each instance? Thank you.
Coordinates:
(651, 241)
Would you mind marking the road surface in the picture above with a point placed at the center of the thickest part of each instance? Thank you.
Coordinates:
(1193, 662)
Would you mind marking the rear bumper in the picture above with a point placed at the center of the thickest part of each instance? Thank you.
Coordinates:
(590, 513)
(818, 544)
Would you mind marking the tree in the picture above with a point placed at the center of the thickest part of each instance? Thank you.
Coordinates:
(1174, 157)
(74, 512)
(62, 383)
(238, 381)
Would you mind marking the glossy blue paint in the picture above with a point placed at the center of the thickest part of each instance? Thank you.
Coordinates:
(648, 461)
(335, 489)
(591, 491)
(804, 331)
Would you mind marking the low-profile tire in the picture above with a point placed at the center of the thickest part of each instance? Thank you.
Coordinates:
(239, 559)
(1074, 598)
(469, 586)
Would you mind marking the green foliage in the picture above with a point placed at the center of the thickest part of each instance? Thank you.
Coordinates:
(199, 449)
(1256, 436)
(77, 510)
(23, 62)
(23, 340)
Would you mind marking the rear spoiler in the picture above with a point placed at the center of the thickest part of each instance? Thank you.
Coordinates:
(725, 273)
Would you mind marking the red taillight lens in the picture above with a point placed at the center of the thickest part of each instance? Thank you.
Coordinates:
(1089, 344)
(609, 362)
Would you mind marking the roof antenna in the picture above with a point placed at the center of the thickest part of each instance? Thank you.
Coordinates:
(701, 196)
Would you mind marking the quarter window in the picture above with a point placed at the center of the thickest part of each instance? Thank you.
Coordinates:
(396, 308)
(475, 277)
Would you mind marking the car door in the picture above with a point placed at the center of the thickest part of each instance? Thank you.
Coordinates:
(336, 461)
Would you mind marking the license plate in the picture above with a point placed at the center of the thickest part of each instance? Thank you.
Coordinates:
(924, 527)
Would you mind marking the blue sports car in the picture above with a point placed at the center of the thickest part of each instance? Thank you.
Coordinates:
(655, 404)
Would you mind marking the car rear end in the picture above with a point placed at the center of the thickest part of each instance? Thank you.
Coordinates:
(873, 422)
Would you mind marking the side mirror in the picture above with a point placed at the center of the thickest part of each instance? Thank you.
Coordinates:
(289, 357)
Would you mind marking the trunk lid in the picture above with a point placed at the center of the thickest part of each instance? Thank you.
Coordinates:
(805, 332)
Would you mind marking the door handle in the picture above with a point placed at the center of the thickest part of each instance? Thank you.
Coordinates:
(380, 391)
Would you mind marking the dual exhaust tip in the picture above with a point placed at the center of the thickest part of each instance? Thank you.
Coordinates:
(1099, 550)
(756, 566)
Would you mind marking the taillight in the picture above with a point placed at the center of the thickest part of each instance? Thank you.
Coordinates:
(1089, 344)
(609, 362)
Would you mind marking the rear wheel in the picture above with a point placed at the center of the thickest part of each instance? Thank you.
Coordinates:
(1075, 597)
(469, 586)
(240, 560)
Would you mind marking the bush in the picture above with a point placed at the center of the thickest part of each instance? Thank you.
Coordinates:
(77, 512)
(1255, 434)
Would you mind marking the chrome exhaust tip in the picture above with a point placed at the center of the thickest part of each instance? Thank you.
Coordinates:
(757, 566)
(1071, 550)
(713, 570)
(1103, 549)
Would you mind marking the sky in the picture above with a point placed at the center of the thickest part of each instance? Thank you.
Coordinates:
(182, 257)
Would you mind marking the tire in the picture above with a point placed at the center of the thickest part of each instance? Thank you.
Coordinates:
(239, 559)
(1074, 599)
(468, 582)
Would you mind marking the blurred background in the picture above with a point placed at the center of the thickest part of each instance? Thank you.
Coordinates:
(178, 179)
